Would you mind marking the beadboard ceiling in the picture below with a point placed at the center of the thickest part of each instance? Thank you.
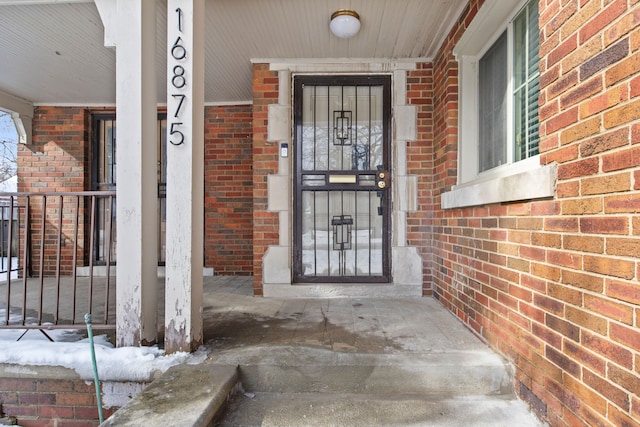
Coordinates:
(52, 51)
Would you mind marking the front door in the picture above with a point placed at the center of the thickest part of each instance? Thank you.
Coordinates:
(342, 200)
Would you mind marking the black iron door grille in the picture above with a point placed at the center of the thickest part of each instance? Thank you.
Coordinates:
(342, 198)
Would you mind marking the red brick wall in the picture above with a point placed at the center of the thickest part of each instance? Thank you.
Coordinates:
(51, 402)
(59, 159)
(445, 152)
(553, 285)
(420, 163)
(590, 112)
(265, 162)
(228, 189)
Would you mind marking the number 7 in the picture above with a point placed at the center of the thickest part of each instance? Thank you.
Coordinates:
(182, 97)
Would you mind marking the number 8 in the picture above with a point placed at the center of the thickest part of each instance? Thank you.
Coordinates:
(178, 81)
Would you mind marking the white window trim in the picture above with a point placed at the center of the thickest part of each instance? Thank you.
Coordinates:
(22, 114)
(522, 180)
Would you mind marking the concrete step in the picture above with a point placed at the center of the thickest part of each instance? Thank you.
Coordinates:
(184, 395)
(346, 410)
(307, 386)
(290, 369)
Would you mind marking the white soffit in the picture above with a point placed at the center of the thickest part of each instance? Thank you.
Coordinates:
(52, 52)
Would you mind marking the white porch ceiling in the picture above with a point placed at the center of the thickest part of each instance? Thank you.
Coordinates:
(52, 51)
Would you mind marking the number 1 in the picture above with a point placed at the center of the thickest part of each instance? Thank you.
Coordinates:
(179, 19)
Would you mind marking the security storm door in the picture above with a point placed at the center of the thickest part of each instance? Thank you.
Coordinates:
(342, 183)
(103, 177)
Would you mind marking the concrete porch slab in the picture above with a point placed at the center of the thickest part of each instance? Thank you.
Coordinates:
(185, 395)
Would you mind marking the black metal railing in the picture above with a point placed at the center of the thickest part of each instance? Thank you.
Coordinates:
(49, 237)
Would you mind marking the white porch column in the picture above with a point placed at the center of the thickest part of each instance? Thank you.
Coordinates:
(136, 157)
(185, 174)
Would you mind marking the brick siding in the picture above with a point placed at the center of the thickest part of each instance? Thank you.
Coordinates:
(51, 402)
(265, 162)
(228, 189)
(552, 284)
(420, 163)
(58, 157)
(58, 160)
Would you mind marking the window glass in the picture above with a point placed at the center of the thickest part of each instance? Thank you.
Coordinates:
(526, 82)
(495, 110)
(493, 83)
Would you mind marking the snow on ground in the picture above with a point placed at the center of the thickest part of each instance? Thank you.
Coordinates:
(4, 265)
(72, 351)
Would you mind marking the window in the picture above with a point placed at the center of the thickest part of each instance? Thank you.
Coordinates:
(508, 91)
(526, 78)
(498, 60)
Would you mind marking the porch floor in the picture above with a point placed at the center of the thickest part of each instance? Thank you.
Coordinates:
(354, 362)
(350, 361)
(233, 318)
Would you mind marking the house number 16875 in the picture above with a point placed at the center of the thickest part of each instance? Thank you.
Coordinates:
(178, 81)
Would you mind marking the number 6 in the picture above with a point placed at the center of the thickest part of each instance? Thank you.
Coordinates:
(178, 51)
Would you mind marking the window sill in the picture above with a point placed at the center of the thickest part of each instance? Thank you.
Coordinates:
(530, 184)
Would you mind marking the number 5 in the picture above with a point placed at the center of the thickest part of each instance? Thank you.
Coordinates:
(173, 131)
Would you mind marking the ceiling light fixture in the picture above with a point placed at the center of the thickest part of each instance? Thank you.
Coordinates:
(345, 23)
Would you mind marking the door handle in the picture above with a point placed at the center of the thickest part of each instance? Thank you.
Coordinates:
(383, 180)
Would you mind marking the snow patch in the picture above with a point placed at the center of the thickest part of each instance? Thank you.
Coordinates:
(114, 364)
(72, 352)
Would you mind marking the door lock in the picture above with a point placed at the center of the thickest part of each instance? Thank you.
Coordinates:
(382, 179)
